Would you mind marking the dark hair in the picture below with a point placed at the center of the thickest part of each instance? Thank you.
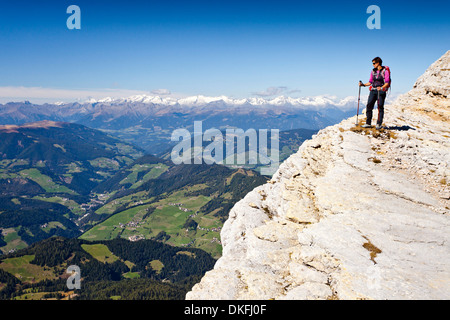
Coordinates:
(378, 60)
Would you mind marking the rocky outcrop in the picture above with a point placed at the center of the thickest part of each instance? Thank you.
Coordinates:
(354, 214)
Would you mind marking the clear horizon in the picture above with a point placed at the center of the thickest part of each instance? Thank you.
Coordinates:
(238, 49)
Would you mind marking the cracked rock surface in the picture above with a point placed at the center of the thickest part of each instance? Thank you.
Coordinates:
(354, 214)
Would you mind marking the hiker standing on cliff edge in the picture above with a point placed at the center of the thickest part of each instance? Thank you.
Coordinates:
(379, 82)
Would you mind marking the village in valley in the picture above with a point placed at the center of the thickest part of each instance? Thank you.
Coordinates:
(136, 222)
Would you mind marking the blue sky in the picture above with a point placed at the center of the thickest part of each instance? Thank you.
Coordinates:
(233, 48)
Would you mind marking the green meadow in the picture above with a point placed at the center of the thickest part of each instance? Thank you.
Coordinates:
(100, 252)
(166, 217)
(45, 181)
(25, 271)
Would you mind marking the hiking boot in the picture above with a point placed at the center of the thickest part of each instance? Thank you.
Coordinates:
(366, 126)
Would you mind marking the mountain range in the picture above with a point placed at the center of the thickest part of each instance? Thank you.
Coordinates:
(148, 121)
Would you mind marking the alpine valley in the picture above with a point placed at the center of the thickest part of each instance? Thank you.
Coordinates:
(75, 195)
(139, 226)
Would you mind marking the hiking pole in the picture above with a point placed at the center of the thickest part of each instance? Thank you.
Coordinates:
(378, 107)
(359, 95)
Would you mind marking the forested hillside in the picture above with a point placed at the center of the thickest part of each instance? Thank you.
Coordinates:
(115, 269)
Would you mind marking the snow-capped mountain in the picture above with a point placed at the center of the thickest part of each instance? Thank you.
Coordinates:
(148, 120)
(322, 101)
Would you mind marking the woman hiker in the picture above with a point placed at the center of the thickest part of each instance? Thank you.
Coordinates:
(379, 83)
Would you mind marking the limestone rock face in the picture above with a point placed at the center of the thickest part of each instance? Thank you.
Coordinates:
(354, 214)
(436, 80)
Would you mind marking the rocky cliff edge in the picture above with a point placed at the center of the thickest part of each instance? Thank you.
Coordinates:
(354, 214)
